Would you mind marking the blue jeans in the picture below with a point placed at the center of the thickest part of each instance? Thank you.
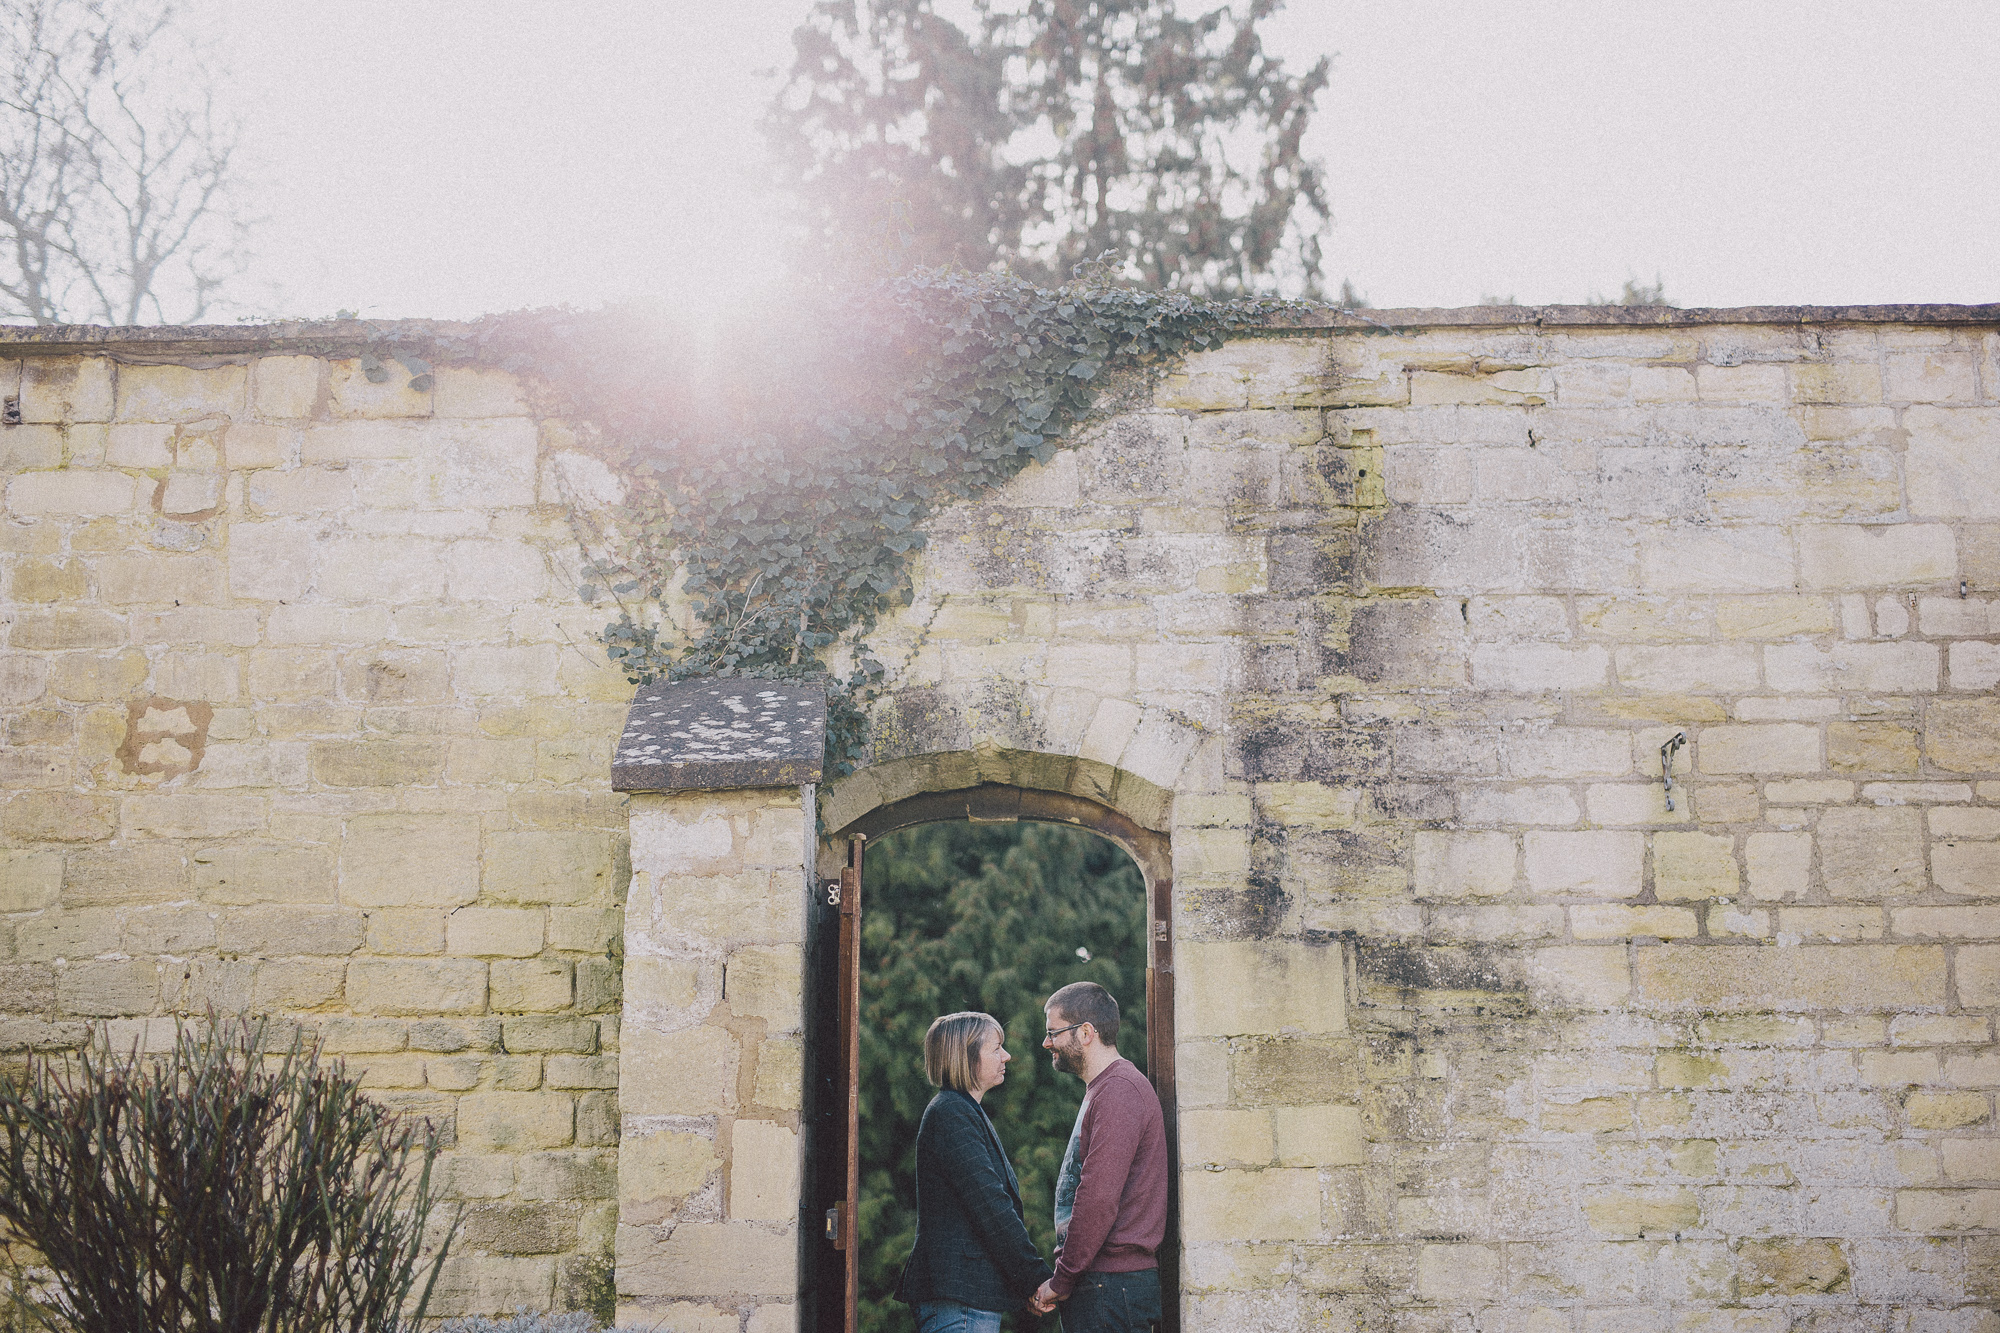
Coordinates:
(946, 1317)
(1113, 1303)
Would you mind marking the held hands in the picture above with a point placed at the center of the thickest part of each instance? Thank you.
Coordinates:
(1044, 1300)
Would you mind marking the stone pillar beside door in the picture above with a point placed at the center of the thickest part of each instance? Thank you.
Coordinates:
(710, 1081)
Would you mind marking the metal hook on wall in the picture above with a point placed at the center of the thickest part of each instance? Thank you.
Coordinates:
(1667, 752)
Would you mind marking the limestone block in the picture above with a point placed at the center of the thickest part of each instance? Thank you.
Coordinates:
(1871, 854)
(66, 389)
(780, 1082)
(1850, 556)
(495, 571)
(144, 445)
(708, 1259)
(581, 1071)
(1273, 1204)
(1461, 865)
(432, 986)
(1946, 1211)
(1953, 455)
(1260, 987)
(1741, 383)
(515, 1121)
(1769, 748)
(1568, 753)
(108, 989)
(687, 1072)
(659, 1169)
(530, 985)
(1606, 921)
(1228, 1138)
(1963, 736)
(277, 932)
(475, 391)
(243, 872)
(272, 562)
(564, 1175)
(506, 932)
(353, 394)
(1930, 376)
(1970, 868)
(1319, 1136)
(764, 1164)
(1871, 747)
(377, 763)
(766, 983)
(489, 1285)
(29, 880)
(1974, 666)
(1712, 560)
(191, 815)
(90, 678)
(1458, 1273)
(410, 860)
(1779, 865)
(1693, 866)
(60, 629)
(1697, 669)
(1765, 979)
(550, 867)
(1945, 1110)
(70, 493)
(180, 393)
(1596, 864)
(285, 386)
(381, 570)
(1538, 666)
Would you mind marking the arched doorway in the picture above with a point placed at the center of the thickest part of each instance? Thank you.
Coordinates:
(833, 955)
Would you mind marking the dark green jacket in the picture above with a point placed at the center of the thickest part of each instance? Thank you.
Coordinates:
(972, 1247)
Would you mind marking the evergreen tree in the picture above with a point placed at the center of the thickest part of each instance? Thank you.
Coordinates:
(1046, 133)
(988, 917)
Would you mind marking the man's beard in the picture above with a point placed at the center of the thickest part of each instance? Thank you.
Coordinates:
(1068, 1059)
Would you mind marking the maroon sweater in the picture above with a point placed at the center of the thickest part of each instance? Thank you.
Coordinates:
(1111, 1198)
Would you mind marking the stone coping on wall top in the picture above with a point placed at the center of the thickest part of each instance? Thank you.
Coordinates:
(714, 735)
(333, 335)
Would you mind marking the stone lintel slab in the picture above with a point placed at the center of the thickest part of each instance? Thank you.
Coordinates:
(716, 735)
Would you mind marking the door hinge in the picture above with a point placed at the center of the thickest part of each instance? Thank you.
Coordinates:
(834, 1231)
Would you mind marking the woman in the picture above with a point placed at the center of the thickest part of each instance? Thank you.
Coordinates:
(972, 1260)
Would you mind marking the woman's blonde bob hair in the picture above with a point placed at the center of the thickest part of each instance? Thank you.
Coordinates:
(951, 1049)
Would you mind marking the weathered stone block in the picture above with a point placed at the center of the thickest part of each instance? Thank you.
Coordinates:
(434, 986)
(1693, 866)
(1963, 736)
(507, 932)
(405, 860)
(515, 1121)
(766, 983)
(1790, 980)
(1261, 987)
(1871, 853)
(1273, 1204)
(691, 1071)
(530, 985)
(1461, 865)
(708, 1259)
(764, 1165)
(1584, 864)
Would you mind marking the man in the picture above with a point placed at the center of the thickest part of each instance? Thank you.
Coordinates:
(1111, 1197)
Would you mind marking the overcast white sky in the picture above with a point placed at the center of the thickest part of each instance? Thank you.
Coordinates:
(450, 157)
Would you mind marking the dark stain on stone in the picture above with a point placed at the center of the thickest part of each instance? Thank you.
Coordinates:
(1311, 562)
(1424, 967)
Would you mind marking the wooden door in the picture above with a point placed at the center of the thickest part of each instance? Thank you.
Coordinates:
(843, 1217)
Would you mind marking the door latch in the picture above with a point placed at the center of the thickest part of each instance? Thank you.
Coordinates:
(833, 1232)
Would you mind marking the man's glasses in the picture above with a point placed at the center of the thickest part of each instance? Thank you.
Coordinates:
(1053, 1033)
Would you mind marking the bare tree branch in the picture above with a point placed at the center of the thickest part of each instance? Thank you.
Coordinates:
(119, 189)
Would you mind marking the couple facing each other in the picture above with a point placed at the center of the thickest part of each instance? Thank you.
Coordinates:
(973, 1260)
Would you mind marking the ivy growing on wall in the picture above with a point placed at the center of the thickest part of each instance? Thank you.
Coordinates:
(778, 494)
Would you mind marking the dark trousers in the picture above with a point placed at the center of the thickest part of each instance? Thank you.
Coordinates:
(1113, 1303)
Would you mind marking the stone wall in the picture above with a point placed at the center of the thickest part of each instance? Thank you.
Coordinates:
(1384, 630)
(302, 716)
(1471, 1027)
